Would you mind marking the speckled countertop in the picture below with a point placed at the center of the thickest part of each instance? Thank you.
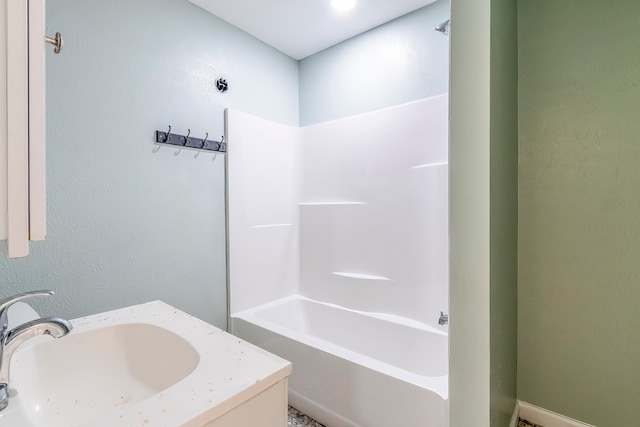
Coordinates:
(229, 371)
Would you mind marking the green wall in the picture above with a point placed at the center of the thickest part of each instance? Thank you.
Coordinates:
(469, 206)
(579, 231)
(483, 161)
(504, 211)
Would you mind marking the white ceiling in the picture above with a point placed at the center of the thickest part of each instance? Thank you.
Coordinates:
(300, 28)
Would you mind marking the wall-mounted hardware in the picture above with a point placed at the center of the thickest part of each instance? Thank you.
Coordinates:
(222, 85)
(189, 142)
(56, 42)
(444, 318)
(444, 27)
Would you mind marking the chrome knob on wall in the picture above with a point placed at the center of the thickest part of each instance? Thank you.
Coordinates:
(56, 42)
(444, 318)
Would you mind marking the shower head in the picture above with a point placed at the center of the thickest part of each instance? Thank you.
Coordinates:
(444, 27)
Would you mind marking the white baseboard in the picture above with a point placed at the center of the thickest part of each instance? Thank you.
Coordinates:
(546, 418)
(515, 416)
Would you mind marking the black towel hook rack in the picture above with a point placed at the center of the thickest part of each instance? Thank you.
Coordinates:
(189, 142)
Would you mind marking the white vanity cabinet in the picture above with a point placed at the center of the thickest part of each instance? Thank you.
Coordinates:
(266, 409)
(22, 125)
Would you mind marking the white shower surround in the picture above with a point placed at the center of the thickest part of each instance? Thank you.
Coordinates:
(351, 213)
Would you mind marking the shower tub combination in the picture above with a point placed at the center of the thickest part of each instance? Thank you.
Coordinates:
(352, 368)
(338, 259)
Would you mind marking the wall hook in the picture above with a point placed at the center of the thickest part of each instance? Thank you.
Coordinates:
(167, 136)
(187, 142)
(55, 41)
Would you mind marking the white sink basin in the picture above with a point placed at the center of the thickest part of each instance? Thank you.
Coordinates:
(148, 365)
(99, 370)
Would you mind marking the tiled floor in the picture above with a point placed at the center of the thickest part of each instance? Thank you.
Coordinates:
(297, 418)
(525, 423)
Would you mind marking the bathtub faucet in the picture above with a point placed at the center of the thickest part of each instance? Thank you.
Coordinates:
(444, 318)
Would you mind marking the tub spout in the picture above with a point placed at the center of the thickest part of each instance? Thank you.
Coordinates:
(444, 318)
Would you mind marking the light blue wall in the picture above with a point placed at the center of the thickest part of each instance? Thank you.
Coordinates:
(127, 225)
(398, 62)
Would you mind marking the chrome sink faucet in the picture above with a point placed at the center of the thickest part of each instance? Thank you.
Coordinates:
(10, 340)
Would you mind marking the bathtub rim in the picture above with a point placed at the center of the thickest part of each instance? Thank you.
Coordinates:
(437, 384)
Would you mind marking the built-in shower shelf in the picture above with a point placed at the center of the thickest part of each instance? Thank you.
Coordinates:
(360, 276)
(271, 226)
(331, 203)
(429, 165)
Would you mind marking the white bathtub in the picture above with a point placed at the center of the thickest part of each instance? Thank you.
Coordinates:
(351, 368)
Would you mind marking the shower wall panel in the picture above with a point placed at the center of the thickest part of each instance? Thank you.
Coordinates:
(352, 212)
(262, 202)
(374, 211)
